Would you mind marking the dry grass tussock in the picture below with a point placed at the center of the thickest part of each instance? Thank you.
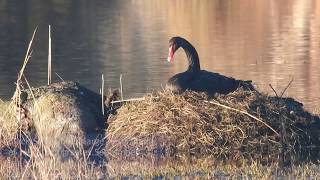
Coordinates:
(9, 125)
(242, 123)
(185, 167)
(36, 164)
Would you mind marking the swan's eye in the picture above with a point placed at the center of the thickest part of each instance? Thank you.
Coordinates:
(171, 53)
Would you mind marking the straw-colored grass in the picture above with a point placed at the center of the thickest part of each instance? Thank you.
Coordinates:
(242, 123)
(186, 167)
(36, 164)
(9, 125)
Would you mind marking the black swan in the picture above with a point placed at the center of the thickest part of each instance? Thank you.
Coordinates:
(196, 79)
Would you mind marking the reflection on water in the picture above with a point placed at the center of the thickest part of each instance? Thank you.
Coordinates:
(170, 167)
(266, 41)
(201, 167)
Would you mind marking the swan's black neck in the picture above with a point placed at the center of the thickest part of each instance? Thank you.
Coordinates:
(192, 56)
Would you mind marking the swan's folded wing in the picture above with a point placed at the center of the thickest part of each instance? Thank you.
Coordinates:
(214, 83)
(180, 82)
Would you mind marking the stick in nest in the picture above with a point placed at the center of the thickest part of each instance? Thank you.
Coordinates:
(243, 112)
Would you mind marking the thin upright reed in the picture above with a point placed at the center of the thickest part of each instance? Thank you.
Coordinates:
(102, 94)
(49, 58)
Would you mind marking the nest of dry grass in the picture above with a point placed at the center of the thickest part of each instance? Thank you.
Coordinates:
(242, 123)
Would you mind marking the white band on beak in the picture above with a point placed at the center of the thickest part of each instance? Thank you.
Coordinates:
(170, 55)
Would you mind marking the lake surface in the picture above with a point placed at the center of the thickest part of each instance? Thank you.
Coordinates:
(269, 42)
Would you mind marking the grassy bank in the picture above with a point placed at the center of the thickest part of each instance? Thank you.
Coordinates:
(148, 167)
(242, 134)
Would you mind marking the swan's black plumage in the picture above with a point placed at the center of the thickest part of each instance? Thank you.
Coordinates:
(196, 79)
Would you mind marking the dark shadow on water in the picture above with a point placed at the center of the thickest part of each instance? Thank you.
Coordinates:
(95, 147)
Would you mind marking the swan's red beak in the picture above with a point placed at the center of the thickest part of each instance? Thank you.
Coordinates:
(171, 53)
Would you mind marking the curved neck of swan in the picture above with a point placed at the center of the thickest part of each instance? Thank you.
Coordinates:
(193, 58)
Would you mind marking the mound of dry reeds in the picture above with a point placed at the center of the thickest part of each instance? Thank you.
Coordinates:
(242, 123)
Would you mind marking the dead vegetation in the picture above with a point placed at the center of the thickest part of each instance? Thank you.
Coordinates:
(240, 124)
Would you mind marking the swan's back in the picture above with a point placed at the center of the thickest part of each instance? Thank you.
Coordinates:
(204, 81)
(216, 83)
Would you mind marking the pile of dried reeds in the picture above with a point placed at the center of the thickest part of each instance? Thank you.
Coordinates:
(242, 123)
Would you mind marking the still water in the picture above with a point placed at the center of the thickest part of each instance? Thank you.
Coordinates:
(269, 42)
